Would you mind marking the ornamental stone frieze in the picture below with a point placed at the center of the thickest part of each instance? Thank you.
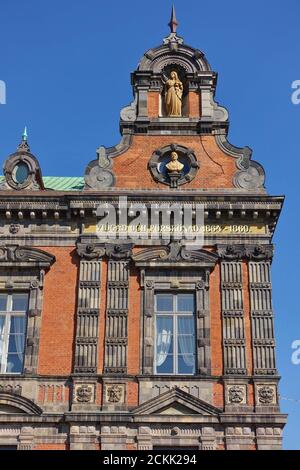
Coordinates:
(250, 252)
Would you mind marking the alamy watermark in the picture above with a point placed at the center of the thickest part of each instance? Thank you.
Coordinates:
(136, 222)
(2, 92)
(296, 93)
(296, 354)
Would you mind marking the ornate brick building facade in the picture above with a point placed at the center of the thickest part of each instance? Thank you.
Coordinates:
(121, 343)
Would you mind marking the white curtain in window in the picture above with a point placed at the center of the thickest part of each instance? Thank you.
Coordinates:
(19, 323)
(2, 318)
(164, 339)
(186, 340)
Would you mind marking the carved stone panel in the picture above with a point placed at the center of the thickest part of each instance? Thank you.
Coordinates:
(233, 317)
(115, 394)
(88, 305)
(117, 311)
(266, 394)
(236, 394)
(262, 318)
(84, 393)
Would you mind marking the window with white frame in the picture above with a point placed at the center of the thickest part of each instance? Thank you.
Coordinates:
(175, 344)
(13, 321)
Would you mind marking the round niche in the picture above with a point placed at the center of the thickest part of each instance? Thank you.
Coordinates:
(173, 165)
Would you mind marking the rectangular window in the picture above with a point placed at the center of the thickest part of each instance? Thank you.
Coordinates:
(13, 321)
(175, 345)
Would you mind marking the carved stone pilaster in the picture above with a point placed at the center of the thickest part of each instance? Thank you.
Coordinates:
(233, 310)
(88, 307)
(203, 324)
(262, 318)
(116, 335)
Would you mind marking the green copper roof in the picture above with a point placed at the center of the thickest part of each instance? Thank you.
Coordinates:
(62, 183)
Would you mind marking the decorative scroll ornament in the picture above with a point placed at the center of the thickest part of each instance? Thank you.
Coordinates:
(16, 253)
(98, 174)
(90, 251)
(252, 252)
(250, 175)
(119, 251)
(260, 252)
(231, 252)
(175, 252)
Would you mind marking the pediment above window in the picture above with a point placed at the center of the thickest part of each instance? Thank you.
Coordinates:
(24, 255)
(175, 253)
(176, 402)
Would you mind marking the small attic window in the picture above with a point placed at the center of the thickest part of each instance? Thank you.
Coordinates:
(20, 173)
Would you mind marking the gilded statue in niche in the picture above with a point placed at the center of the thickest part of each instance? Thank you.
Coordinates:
(173, 95)
(174, 165)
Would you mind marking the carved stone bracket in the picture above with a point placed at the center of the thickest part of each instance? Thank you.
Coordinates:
(96, 250)
(91, 250)
(119, 251)
(250, 252)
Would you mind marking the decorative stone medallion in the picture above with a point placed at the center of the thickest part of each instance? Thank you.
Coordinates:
(115, 393)
(84, 393)
(186, 161)
(236, 394)
(266, 394)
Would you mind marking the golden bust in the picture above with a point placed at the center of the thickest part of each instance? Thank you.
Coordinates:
(174, 165)
(173, 95)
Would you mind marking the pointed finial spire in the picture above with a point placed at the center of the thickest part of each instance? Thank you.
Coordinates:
(24, 144)
(173, 21)
(25, 135)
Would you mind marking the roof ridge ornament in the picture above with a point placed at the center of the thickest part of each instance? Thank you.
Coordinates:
(173, 40)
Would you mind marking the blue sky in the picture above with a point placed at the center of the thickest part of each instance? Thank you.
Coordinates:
(67, 64)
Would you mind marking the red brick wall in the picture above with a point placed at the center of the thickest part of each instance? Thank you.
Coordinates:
(51, 447)
(134, 320)
(153, 104)
(58, 314)
(216, 168)
(194, 104)
(132, 393)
